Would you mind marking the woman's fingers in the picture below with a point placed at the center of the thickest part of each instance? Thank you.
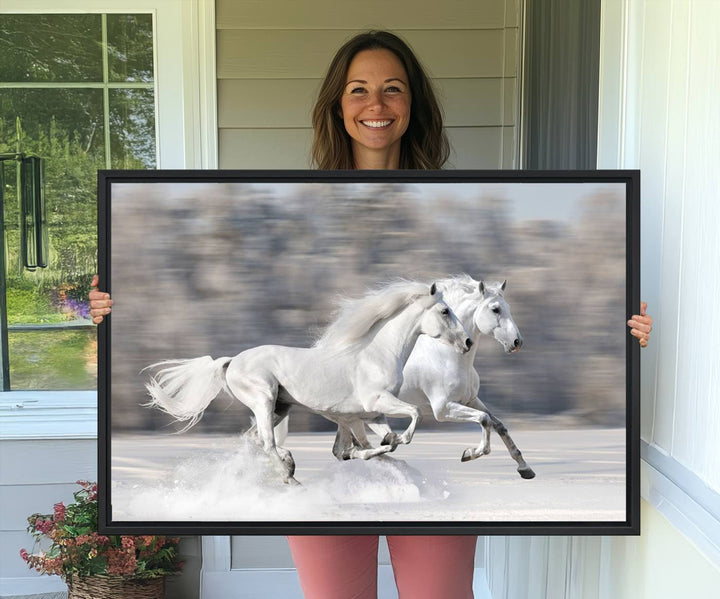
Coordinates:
(100, 302)
(641, 325)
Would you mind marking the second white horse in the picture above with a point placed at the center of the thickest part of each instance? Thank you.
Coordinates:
(447, 380)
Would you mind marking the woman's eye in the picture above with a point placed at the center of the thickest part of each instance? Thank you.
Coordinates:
(392, 89)
(357, 90)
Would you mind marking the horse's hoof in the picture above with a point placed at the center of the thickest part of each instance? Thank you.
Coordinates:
(467, 455)
(526, 473)
(293, 482)
(390, 439)
(290, 465)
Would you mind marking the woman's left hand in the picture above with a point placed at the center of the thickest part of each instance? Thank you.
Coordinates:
(641, 325)
(100, 302)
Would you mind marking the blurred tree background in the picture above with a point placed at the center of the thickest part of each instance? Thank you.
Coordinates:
(76, 90)
(228, 266)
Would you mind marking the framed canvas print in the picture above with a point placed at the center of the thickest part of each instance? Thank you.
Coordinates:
(308, 352)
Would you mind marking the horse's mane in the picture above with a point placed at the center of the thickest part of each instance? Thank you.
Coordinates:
(357, 316)
(456, 288)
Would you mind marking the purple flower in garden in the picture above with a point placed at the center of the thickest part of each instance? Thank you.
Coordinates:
(76, 307)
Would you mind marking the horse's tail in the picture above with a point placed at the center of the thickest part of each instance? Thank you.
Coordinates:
(184, 388)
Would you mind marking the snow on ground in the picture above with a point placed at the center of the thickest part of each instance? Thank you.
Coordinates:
(580, 477)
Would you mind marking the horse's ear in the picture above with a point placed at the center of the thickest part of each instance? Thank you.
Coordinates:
(502, 287)
(481, 287)
(433, 289)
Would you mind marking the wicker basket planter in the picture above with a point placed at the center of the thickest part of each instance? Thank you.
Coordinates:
(116, 587)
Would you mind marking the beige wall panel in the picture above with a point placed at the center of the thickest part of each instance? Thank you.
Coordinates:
(265, 148)
(471, 147)
(341, 14)
(512, 13)
(276, 103)
(512, 52)
(270, 54)
(474, 147)
(510, 100)
(471, 102)
(258, 103)
(510, 147)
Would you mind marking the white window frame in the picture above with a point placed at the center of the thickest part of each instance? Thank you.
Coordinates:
(186, 130)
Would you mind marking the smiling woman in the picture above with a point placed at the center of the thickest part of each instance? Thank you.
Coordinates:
(363, 116)
(375, 108)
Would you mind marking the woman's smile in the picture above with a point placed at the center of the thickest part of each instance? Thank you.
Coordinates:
(377, 124)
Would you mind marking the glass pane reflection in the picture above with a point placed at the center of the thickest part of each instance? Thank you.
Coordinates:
(53, 360)
(130, 48)
(61, 48)
(132, 128)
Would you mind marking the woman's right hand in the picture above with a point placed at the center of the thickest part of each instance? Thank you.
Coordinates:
(100, 302)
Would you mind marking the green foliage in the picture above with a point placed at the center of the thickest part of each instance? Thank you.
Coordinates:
(77, 550)
(50, 47)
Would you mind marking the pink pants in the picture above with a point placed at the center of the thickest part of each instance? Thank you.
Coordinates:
(345, 567)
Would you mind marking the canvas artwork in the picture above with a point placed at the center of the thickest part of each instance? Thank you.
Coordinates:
(379, 352)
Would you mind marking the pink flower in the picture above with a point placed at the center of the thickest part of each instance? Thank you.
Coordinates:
(24, 555)
(44, 526)
(121, 562)
(59, 509)
(128, 542)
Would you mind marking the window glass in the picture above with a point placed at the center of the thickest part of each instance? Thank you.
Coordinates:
(132, 128)
(130, 47)
(36, 48)
(52, 342)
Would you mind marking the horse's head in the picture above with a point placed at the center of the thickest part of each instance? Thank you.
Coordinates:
(440, 322)
(492, 316)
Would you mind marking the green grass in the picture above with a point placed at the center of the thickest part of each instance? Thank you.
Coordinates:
(28, 306)
(53, 360)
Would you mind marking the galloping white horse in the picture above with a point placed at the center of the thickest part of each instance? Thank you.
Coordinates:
(447, 380)
(353, 372)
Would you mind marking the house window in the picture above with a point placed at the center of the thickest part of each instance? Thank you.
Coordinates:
(77, 90)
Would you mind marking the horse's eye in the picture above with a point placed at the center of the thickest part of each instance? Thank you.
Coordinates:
(496, 310)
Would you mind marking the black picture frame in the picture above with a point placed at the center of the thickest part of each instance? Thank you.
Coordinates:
(118, 344)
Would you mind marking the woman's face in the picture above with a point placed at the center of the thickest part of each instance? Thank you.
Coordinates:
(375, 104)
